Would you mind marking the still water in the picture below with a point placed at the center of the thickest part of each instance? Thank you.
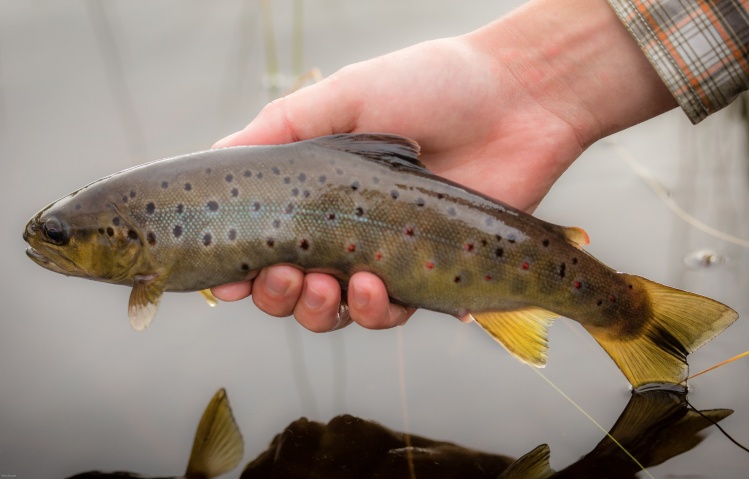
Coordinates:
(90, 88)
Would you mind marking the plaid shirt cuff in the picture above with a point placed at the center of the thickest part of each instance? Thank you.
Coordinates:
(700, 49)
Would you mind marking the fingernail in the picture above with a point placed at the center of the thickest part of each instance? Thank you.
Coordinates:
(361, 298)
(399, 313)
(276, 285)
(313, 299)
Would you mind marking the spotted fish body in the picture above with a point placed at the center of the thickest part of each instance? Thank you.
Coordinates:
(363, 202)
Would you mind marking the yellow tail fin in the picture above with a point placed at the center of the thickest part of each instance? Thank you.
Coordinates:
(680, 323)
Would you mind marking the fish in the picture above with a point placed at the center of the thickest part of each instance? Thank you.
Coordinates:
(346, 203)
(218, 446)
(655, 426)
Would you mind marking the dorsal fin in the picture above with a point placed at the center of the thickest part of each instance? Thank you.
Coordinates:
(398, 151)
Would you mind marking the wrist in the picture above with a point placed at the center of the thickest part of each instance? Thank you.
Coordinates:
(577, 60)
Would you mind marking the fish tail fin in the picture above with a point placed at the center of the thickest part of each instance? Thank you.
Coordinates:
(218, 445)
(678, 323)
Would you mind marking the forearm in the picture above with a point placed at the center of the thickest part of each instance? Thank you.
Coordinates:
(579, 62)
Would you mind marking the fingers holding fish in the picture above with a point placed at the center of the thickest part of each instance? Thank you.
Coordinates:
(317, 308)
(276, 290)
(233, 291)
(369, 304)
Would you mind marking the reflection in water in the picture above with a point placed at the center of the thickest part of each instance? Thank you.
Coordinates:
(654, 427)
(217, 449)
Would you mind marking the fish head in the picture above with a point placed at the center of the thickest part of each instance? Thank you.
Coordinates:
(84, 235)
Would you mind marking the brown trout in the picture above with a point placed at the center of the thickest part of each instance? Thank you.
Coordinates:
(364, 202)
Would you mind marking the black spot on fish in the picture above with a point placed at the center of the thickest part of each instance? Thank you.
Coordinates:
(499, 237)
(304, 244)
(420, 202)
(256, 206)
(116, 221)
(101, 231)
(247, 173)
(305, 193)
(276, 223)
(124, 199)
(208, 171)
(165, 184)
(394, 194)
(440, 196)
(355, 185)
(287, 179)
(77, 206)
(456, 279)
(295, 192)
(275, 170)
(270, 242)
(302, 177)
(511, 239)
(330, 216)
(150, 208)
(188, 187)
(599, 303)
(574, 260)
(132, 234)
(562, 267)
(110, 231)
(151, 238)
(229, 178)
(499, 252)
(339, 171)
(260, 176)
(629, 286)
(483, 242)
(132, 193)
(245, 267)
(289, 208)
(212, 206)
(545, 243)
(232, 235)
(177, 231)
(234, 192)
(322, 179)
(180, 208)
(358, 211)
(207, 239)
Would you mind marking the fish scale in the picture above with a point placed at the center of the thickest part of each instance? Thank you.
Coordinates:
(363, 202)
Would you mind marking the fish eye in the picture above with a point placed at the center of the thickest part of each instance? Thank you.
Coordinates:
(54, 231)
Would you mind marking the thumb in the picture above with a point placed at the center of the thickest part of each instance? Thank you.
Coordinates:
(324, 108)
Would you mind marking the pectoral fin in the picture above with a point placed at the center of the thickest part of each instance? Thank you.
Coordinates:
(144, 300)
(218, 445)
(209, 298)
(523, 332)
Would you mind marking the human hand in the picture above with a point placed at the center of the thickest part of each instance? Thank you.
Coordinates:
(491, 110)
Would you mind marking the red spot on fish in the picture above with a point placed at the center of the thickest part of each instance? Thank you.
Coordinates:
(378, 255)
(351, 248)
(612, 298)
(468, 247)
(577, 284)
(408, 231)
(525, 265)
(429, 265)
(488, 277)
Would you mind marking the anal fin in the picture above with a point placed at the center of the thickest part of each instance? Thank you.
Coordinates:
(523, 332)
(209, 297)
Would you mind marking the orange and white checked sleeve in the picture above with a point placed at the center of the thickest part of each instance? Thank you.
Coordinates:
(700, 48)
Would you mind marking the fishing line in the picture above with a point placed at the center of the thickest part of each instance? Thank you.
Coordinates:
(579, 408)
(715, 423)
(404, 403)
(664, 196)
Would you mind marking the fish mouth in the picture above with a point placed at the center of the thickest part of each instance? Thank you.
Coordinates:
(45, 262)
